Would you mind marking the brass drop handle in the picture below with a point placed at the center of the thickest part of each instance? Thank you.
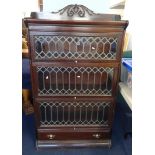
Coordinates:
(96, 135)
(51, 136)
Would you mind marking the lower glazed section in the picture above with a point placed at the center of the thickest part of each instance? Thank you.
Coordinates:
(47, 144)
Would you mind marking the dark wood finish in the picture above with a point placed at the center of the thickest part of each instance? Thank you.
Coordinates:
(74, 135)
(48, 144)
(75, 66)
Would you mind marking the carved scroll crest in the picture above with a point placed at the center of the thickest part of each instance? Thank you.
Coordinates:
(72, 10)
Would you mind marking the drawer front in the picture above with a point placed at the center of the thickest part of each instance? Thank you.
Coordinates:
(73, 135)
(74, 113)
(82, 46)
(74, 81)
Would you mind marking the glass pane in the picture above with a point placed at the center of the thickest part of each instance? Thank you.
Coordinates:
(74, 47)
(48, 113)
(75, 81)
(42, 112)
(74, 113)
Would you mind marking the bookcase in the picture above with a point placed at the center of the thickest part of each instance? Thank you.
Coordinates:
(75, 58)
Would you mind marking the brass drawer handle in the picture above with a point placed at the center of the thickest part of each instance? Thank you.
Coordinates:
(51, 136)
(96, 135)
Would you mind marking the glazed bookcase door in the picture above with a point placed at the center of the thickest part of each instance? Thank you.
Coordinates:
(75, 113)
(71, 81)
(94, 47)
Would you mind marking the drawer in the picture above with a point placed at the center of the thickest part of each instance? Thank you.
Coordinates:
(73, 135)
(76, 46)
(74, 81)
(54, 113)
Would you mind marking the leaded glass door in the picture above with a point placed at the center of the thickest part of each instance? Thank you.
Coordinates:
(79, 81)
(91, 46)
(75, 113)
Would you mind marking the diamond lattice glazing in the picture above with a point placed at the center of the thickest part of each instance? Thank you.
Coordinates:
(75, 81)
(74, 47)
(74, 113)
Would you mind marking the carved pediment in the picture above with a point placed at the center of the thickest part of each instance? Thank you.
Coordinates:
(75, 10)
